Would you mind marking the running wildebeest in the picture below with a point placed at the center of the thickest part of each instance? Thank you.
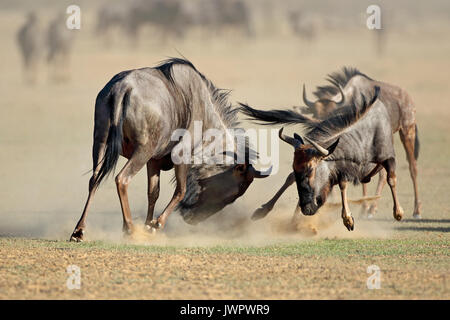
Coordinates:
(135, 115)
(59, 44)
(400, 107)
(351, 144)
(28, 40)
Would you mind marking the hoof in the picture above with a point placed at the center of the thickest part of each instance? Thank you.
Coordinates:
(260, 213)
(155, 224)
(349, 223)
(77, 236)
(150, 229)
(370, 216)
(398, 215)
(417, 216)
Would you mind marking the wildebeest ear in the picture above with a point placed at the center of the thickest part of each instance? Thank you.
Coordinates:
(332, 147)
(297, 137)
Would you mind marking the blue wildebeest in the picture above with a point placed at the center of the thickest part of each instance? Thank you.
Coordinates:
(401, 111)
(28, 40)
(351, 144)
(136, 114)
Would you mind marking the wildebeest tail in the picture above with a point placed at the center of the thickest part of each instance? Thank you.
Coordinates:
(118, 104)
(416, 145)
(272, 117)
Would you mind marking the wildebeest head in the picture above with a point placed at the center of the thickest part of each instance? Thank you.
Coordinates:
(320, 108)
(311, 172)
(212, 188)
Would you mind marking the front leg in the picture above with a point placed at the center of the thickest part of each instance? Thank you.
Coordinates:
(392, 181)
(268, 206)
(346, 214)
(178, 195)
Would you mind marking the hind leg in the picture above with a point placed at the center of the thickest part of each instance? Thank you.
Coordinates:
(371, 210)
(365, 204)
(78, 232)
(180, 191)
(153, 173)
(408, 137)
(98, 150)
(389, 165)
(139, 158)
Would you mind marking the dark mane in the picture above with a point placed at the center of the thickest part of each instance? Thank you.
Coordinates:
(227, 112)
(341, 118)
(320, 130)
(341, 78)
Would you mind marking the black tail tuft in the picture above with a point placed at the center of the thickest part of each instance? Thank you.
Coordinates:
(272, 117)
(112, 153)
(375, 95)
(416, 145)
(114, 142)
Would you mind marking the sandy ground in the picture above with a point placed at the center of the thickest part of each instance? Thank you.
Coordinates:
(46, 136)
(39, 272)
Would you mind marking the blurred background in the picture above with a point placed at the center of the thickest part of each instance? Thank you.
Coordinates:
(263, 50)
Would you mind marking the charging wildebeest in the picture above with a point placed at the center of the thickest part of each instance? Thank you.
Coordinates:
(136, 114)
(351, 144)
(401, 111)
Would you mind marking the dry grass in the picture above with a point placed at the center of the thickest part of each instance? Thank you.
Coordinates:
(333, 269)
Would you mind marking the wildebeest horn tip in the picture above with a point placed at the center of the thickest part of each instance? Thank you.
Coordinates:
(324, 152)
(305, 99)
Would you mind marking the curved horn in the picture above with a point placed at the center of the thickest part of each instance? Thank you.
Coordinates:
(293, 142)
(342, 102)
(324, 152)
(305, 100)
(258, 174)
